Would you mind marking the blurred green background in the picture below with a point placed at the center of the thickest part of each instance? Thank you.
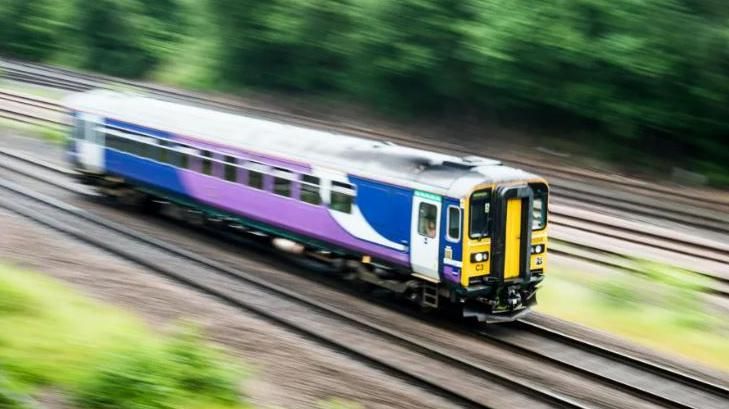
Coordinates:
(635, 79)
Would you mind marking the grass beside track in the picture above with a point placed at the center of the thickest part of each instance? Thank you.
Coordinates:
(98, 356)
(665, 309)
(53, 136)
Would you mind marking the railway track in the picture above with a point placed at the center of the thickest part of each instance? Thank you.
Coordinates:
(714, 217)
(564, 212)
(564, 244)
(642, 380)
(472, 385)
(560, 216)
(45, 113)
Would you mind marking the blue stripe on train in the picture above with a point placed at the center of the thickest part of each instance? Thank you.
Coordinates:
(153, 173)
(386, 208)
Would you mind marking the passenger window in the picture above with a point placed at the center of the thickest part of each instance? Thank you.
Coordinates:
(255, 177)
(155, 151)
(231, 171)
(139, 149)
(282, 182)
(164, 153)
(427, 219)
(539, 213)
(342, 196)
(310, 189)
(454, 223)
(480, 214)
(180, 156)
(207, 163)
(112, 142)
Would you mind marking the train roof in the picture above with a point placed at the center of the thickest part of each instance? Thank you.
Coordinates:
(415, 168)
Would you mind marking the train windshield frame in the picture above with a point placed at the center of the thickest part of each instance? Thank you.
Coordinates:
(479, 215)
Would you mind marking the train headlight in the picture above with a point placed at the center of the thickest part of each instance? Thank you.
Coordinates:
(479, 257)
(538, 249)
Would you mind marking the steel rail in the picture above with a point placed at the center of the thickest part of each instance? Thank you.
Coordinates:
(663, 371)
(560, 251)
(433, 352)
(581, 344)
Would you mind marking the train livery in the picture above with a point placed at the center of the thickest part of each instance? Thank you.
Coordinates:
(466, 232)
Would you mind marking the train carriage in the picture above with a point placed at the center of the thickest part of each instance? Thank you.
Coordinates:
(468, 232)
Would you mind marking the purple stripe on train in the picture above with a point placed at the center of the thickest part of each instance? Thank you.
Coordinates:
(283, 212)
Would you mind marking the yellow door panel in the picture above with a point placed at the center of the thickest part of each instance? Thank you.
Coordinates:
(513, 238)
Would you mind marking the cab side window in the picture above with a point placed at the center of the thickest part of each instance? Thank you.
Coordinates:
(454, 223)
(427, 215)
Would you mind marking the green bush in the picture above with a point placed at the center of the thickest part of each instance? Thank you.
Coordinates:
(642, 78)
(29, 28)
(183, 372)
(652, 75)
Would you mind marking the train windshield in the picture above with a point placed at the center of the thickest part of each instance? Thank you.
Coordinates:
(479, 214)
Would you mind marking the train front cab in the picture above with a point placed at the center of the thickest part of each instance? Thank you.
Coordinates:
(504, 249)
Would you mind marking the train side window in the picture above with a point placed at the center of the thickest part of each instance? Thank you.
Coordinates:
(255, 175)
(282, 182)
(341, 197)
(137, 148)
(155, 152)
(181, 157)
(122, 144)
(231, 170)
(112, 142)
(427, 219)
(310, 189)
(454, 223)
(164, 153)
(207, 163)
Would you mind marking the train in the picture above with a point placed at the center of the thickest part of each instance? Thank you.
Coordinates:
(443, 231)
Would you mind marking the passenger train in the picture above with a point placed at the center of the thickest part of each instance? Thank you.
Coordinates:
(467, 232)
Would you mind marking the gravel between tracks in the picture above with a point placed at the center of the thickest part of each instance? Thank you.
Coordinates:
(289, 371)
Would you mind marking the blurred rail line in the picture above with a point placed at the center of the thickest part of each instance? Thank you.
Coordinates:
(419, 356)
(642, 379)
(564, 199)
(46, 113)
(659, 239)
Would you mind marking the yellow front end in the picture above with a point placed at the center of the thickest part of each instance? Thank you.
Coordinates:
(486, 274)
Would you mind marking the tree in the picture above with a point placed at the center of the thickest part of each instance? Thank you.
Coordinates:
(29, 28)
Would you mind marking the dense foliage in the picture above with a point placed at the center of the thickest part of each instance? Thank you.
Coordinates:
(651, 74)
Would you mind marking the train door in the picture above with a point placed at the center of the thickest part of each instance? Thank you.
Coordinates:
(512, 238)
(511, 243)
(425, 235)
(90, 143)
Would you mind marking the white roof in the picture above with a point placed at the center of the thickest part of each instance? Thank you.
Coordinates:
(415, 168)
